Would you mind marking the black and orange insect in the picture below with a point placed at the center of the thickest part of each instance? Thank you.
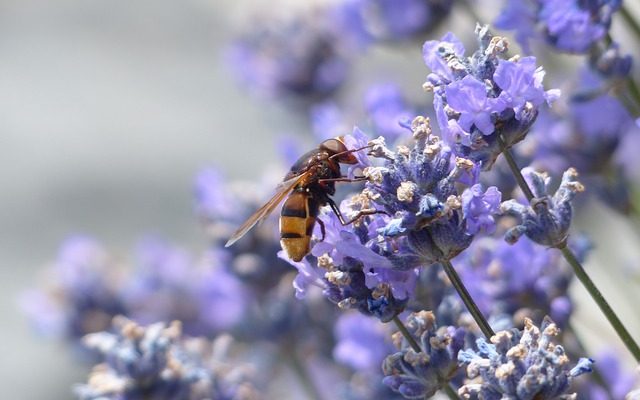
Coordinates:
(307, 187)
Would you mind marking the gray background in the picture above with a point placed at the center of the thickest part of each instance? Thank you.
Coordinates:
(108, 109)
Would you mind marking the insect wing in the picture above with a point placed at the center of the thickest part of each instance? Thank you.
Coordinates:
(282, 190)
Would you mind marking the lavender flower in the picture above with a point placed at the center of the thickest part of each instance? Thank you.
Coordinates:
(547, 219)
(517, 280)
(156, 362)
(369, 20)
(419, 375)
(618, 381)
(168, 285)
(482, 98)
(571, 26)
(362, 342)
(520, 365)
(82, 295)
(387, 109)
(432, 221)
(295, 55)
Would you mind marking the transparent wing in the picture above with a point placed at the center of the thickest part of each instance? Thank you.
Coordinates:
(282, 190)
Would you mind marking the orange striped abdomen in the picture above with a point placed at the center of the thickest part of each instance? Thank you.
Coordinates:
(297, 219)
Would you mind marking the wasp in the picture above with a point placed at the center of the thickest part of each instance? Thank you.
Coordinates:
(308, 186)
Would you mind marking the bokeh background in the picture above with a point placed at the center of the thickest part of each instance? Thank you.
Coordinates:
(107, 111)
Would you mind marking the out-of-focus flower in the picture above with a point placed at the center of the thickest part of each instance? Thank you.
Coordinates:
(157, 362)
(369, 20)
(547, 219)
(293, 55)
(616, 381)
(82, 295)
(517, 280)
(417, 375)
(387, 109)
(483, 98)
(571, 26)
(521, 365)
(362, 342)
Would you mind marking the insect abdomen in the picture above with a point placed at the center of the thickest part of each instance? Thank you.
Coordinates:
(297, 219)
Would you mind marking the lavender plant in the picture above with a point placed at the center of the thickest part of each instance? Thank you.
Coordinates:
(441, 240)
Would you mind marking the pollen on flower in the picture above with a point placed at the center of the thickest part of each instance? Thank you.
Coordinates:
(374, 174)
(405, 191)
(497, 45)
(421, 127)
(326, 262)
(338, 278)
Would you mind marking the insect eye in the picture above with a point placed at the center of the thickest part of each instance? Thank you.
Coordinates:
(334, 146)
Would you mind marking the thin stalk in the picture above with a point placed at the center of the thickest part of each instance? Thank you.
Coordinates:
(302, 372)
(634, 91)
(582, 275)
(467, 299)
(447, 389)
(628, 18)
(407, 335)
(450, 392)
(606, 309)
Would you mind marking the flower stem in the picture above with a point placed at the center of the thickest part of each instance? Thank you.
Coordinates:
(628, 18)
(450, 392)
(302, 372)
(606, 309)
(582, 275)
(467, 299)
(407, 335)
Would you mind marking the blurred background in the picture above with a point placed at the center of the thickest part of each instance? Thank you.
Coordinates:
(107, 111)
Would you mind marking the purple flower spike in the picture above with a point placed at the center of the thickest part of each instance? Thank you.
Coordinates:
(362, 342)
(479, 208)
(520, 365)
(420, 375)
(521, 82)
(546, 221)
(481, 97)
(468, 96)
(570, 26)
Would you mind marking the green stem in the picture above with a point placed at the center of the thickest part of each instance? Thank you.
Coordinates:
(467, 299)
(582, 275)
(450, 392)
(628, 18)
(407, 335)
(606, 309)
(299, 369)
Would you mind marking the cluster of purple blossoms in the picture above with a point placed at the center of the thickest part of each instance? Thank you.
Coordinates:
(521, 365)
(157, 362)
(371, 20)
(429, 219)
(512, 282)
(163, 284)
(571, 26)
(417, 375)
(483, 99)
(546, 220)
(296, 54)
(593, 135)
(385, 110)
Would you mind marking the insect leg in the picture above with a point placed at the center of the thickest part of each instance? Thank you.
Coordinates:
(360, 213)
(350, 151)
(322, 230)
(343, 179)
